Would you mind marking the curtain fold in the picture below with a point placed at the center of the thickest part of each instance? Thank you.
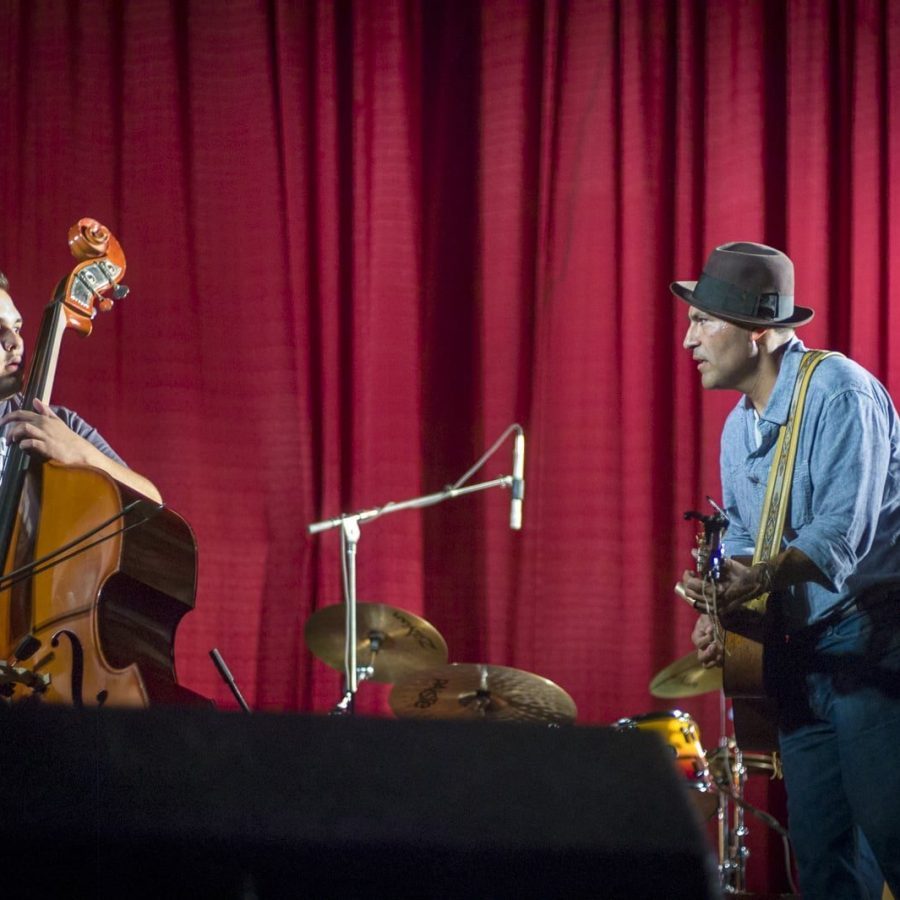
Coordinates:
(364, 238)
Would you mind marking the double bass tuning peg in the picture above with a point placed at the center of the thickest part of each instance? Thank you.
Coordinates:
(118, 291)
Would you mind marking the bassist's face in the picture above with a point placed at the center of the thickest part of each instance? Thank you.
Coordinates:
(12, 348)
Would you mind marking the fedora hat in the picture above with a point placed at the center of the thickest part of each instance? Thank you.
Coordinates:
(746, 283)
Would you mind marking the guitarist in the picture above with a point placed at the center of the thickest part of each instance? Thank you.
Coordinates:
(49, 433)
(831, 628)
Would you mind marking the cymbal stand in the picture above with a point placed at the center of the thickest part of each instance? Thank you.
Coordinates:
(733, 831)
(350, 535)
(732, 828)
(363, 673)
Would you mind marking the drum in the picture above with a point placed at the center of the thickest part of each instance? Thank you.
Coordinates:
(722, 761)
(681, 736)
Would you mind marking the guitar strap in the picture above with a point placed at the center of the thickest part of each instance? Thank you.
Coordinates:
(778, 489)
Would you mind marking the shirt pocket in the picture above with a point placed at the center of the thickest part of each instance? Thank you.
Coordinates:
(800, 513)
(748, 488)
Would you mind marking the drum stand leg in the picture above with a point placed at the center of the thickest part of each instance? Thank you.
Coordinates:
(350, 535)
(345, 706)
(732, 829)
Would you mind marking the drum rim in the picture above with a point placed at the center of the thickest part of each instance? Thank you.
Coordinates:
(660, 716)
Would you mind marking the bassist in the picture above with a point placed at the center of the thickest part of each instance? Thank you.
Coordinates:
(50, 433)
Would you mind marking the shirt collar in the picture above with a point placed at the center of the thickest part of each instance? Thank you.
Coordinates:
(779, 404)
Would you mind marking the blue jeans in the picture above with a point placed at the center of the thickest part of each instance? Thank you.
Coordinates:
(838, 689)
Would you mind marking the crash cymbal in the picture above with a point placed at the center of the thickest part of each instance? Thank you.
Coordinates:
(685, 678)
(392, 641)
(478, 691)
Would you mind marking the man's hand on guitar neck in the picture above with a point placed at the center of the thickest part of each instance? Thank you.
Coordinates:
(737, 584)
(725, 598)
(740, 582)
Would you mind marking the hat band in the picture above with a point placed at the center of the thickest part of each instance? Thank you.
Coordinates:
(729, 299)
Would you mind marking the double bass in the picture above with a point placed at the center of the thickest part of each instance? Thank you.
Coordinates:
(96, 577)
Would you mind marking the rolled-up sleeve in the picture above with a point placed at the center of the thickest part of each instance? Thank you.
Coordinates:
(850, 454)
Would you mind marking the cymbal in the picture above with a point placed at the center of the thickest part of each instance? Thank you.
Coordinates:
(479, 691)
(685, 678)
(392, 641)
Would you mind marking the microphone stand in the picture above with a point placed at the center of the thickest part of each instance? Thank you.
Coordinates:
(228, 678)
(350, 534)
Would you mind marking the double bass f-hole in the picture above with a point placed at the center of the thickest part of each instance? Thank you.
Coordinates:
(76, 668)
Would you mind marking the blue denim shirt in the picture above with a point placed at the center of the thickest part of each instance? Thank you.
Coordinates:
(845, 496)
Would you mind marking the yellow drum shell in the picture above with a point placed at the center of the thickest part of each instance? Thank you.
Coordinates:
(680, 734)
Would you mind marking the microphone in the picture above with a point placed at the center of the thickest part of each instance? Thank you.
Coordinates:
(228, 678)
(518, 482)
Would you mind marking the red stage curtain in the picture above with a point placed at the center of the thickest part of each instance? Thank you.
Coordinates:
(364, 237)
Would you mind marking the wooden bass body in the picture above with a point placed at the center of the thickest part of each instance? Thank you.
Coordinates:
(99, 577)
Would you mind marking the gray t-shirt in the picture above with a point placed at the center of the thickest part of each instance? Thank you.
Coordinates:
(72, 419)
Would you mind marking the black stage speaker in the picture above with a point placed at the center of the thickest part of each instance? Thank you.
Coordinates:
(168, 803)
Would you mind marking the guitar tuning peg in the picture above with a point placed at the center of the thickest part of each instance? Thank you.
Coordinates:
(120, 291)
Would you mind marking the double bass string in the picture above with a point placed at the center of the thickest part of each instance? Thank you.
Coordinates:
(54, 558)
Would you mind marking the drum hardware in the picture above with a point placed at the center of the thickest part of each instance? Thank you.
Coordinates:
(349, 525)
(681, 736)
(391, 642)
(730, 767)
(716, 781)
(480, 691)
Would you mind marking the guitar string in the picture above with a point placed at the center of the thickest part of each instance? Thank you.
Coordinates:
(712, 609)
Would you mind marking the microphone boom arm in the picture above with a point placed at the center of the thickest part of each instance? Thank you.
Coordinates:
(349, 523)
(449, 493)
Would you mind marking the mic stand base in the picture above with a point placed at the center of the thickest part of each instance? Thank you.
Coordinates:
(344, 706)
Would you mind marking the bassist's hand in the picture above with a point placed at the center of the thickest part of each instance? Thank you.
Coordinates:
(43, 433)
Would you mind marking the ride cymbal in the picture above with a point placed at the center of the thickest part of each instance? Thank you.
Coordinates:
(686, 678)
(479, 691)
(394, 642)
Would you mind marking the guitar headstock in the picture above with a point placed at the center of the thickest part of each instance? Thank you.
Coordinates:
(710, 551)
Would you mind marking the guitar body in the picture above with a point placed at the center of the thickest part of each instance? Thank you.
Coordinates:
(755, 715)
(742, 675)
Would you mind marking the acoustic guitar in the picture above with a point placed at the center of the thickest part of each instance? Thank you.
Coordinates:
(754, 714)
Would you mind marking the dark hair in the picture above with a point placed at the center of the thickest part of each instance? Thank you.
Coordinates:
(4, 282)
